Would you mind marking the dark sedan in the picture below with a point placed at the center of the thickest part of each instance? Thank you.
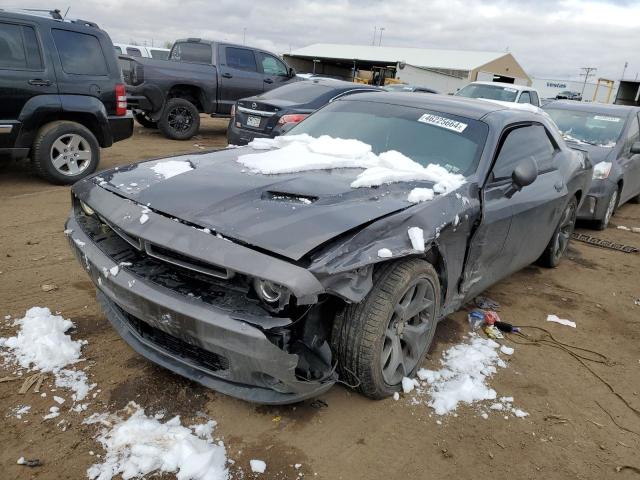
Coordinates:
(610, 133)
(269, 272)
(272, 113)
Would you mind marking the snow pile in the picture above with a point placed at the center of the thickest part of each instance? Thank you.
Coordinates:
(171, 168)
(42, 344)
(299, 153)
(463, 377)
(416, 235)
(418, 195)
(257, 466)
(385, 253)
(140, 445)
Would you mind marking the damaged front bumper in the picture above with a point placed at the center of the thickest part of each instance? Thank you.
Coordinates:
(219, 340)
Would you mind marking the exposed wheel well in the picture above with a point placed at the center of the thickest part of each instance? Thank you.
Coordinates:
(578, 196)
(85, 119)
(188, 92)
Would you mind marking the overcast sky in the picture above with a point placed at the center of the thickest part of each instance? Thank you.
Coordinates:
(549, 38)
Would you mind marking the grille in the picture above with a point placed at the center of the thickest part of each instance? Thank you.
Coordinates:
(209, 360)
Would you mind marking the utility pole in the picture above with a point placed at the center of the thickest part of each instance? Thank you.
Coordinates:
(380, 41)
(626, 64)
(587, 73)
(374, 35)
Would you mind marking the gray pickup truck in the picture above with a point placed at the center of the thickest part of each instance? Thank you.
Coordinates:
(200, 76)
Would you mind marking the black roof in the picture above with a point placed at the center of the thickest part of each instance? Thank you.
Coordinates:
(45, 15)
(592, 107)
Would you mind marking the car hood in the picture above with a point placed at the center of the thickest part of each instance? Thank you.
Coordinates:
(287, 214)
(596, 153)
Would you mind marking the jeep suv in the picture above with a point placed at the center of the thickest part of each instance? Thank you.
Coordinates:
(61, 93)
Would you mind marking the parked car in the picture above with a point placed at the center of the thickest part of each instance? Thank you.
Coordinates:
(201, 76)
(610, 133)
(141, 51)
(61, 94)
(259, 285)
(568, 95)
(272, 113)
(506, 92)
(403, 87)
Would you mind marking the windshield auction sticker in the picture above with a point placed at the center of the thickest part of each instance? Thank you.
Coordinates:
(442, 122)
(606, 119)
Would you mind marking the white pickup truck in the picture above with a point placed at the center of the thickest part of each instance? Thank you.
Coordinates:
(505, 92)
(140, 51)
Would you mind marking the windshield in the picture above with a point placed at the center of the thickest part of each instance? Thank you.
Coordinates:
(425, 136)
(493, 92)
(602, 130)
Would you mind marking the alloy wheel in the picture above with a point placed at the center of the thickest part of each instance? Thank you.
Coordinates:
(406, 334)
(180, 119)
(71, 154)
(565, 230)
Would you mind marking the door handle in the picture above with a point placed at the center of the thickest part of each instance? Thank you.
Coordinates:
(227, 75)
(558, 186)
(39, 82)
(268, 80)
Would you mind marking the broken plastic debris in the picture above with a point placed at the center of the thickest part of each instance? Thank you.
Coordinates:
(561, 321)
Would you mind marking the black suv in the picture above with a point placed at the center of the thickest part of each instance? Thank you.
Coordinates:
(61, 93)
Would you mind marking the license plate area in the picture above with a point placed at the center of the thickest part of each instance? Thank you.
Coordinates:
(253, 121)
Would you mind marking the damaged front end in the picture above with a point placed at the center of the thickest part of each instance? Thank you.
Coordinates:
(225, 315)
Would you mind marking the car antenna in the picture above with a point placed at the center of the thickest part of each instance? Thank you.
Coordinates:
(65, 13)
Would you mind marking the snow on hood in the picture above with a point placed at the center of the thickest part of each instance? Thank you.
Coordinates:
(299, 153)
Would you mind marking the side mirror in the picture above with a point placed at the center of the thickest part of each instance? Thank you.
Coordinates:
(635, 148)
(292, 72)
(524, 174)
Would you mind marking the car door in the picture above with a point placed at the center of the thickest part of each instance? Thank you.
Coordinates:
(514, 231)
(630, 163)
(81, 65)
(239, 76)
(23, 76)
(275, 72)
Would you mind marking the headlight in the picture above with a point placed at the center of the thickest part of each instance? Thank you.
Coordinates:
(601, 170)
(87, 209)
(268, 292)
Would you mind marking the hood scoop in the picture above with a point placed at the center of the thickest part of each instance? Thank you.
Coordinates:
(294, 198)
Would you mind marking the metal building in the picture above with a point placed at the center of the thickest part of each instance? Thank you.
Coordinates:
(443, 70)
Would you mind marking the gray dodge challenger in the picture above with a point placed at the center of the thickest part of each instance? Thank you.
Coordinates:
(271, 271)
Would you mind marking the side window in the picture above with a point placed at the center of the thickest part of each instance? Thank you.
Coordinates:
(633, 135)
(80, 53)
(524, 98)
(19, 48)
(118, 50)
(272, 66)
(134, 52)
(241, 58)
(159, 54)
(192, 52)
(534, 98)
(521, 143)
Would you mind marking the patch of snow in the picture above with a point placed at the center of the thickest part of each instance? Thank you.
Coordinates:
(299, 153)
(144, 218)
(418, 195)
(520, 413)
(114, 270)
(385, 253)
(18, 412)
(561, 321)
(141, 445)
(21, 461)
(506, 350)
(75, 380)
(171, 168)
(463, 377)
(54, 412)
(80, 243)
(408, 384)
(58, 400)
(396, 396)
(416, 235)
(257, 466)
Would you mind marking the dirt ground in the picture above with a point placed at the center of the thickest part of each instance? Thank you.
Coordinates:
(571, 431)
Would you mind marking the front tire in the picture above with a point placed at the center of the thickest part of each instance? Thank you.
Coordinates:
(64, 152)
(612, 204)
(561, 236)
(180, 119)
(386, 336)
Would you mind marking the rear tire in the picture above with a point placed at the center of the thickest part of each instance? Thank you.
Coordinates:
(370, 338)
(180, 119)
(561, 236)
(64, 152)
(144, 120)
